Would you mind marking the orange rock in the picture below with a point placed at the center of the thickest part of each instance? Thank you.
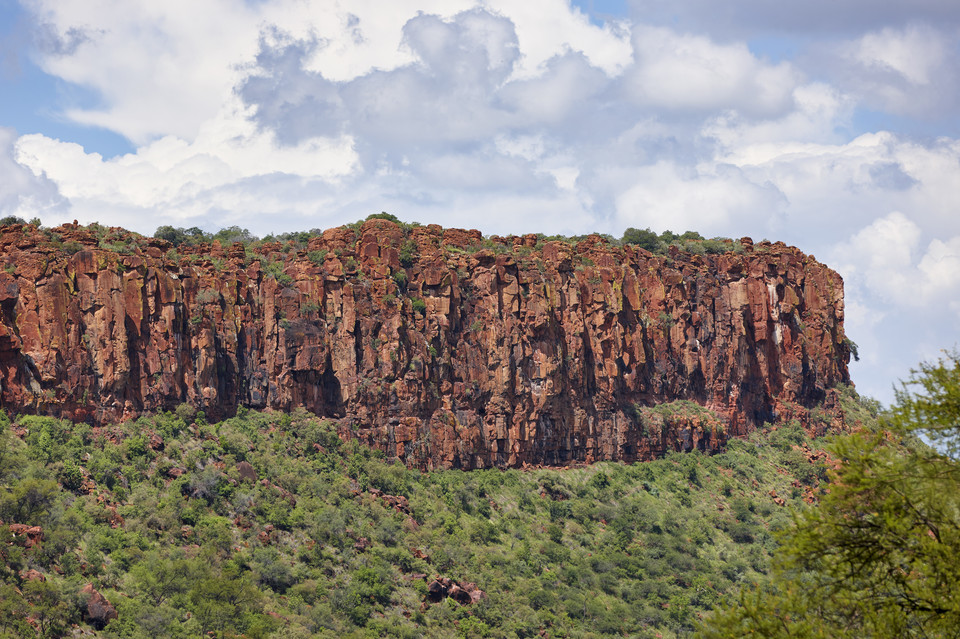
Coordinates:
(99, 610)
(518, 354)
(31, 535)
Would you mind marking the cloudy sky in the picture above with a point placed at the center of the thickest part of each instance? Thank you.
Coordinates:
(833, 126)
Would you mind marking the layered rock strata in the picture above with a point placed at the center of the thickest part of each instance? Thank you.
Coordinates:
(440, 347)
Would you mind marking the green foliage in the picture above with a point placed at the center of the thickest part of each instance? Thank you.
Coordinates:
(690, 242)
(384, 216)
(418, 305)
(645, 239)
(611, 549)
(274, 270)
(877, 558)
(317, 257)
(852, 348)
(195, 235)
(72, 247)
(407, 253)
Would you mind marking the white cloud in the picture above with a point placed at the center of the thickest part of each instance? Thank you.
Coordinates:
(547, 28)
(160, 67)
(713, 199)
(675, 71)
(910, 70)
(818, 110)
(901, 298)
(913, 53)
(940, 268)
(23, 193)
(882, 256)
(175, 180)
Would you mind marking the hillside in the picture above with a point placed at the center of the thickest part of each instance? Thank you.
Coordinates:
(437, 346)
(269, 525)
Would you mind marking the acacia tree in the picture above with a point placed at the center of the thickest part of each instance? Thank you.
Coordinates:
(880, 556)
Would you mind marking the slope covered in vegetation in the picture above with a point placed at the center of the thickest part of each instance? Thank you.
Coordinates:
(878, 556)
(268, 524)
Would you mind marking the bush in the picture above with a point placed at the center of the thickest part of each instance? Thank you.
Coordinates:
(645, 239)
(407, 253)
(384, 216)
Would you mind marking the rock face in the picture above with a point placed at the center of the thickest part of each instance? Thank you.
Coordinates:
(464, 594)
(437, 346)
(99, 610)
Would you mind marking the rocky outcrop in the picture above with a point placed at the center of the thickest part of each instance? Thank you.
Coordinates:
(443, 587)
(440, 347)
(27, 536)
(99, 611)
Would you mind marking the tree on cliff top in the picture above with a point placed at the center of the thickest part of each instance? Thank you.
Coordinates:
(879, 556)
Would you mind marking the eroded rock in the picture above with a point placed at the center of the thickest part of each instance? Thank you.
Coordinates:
(99, 610)
(436, 346)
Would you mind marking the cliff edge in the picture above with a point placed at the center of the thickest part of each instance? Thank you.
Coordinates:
(438, 346)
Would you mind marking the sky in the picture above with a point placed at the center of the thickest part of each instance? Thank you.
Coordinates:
(834, 127)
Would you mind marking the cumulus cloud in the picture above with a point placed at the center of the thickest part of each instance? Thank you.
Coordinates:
(902, 290)
(459, 88)
(906, 70)
(895, 265)
(172, 180)
(682, 71)
(712, 199)
(23, 193)
(157, 68)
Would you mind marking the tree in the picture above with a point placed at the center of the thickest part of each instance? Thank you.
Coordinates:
(879, 556)
(645, 239)
(47, 608)
(225, 601)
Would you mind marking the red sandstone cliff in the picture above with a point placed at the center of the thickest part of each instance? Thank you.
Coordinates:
(517, 354)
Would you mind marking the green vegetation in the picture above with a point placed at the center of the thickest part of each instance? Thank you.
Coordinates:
(852, 348)
(195, 235)
(11, 220)
(878, 557)
(267, 524)
(688, 242)
(274, 270)
(691, 242)
(124, 242)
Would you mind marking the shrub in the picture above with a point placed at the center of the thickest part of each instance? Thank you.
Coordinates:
(407, 252)
(384, 216)
(645, 239)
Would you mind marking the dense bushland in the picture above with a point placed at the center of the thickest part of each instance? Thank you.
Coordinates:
(878, 556)
(267, 524)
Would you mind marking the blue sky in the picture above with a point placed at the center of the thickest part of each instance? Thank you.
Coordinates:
(834, 127)
(33, 100)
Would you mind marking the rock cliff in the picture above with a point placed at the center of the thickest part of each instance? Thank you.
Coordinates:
(440, 347)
